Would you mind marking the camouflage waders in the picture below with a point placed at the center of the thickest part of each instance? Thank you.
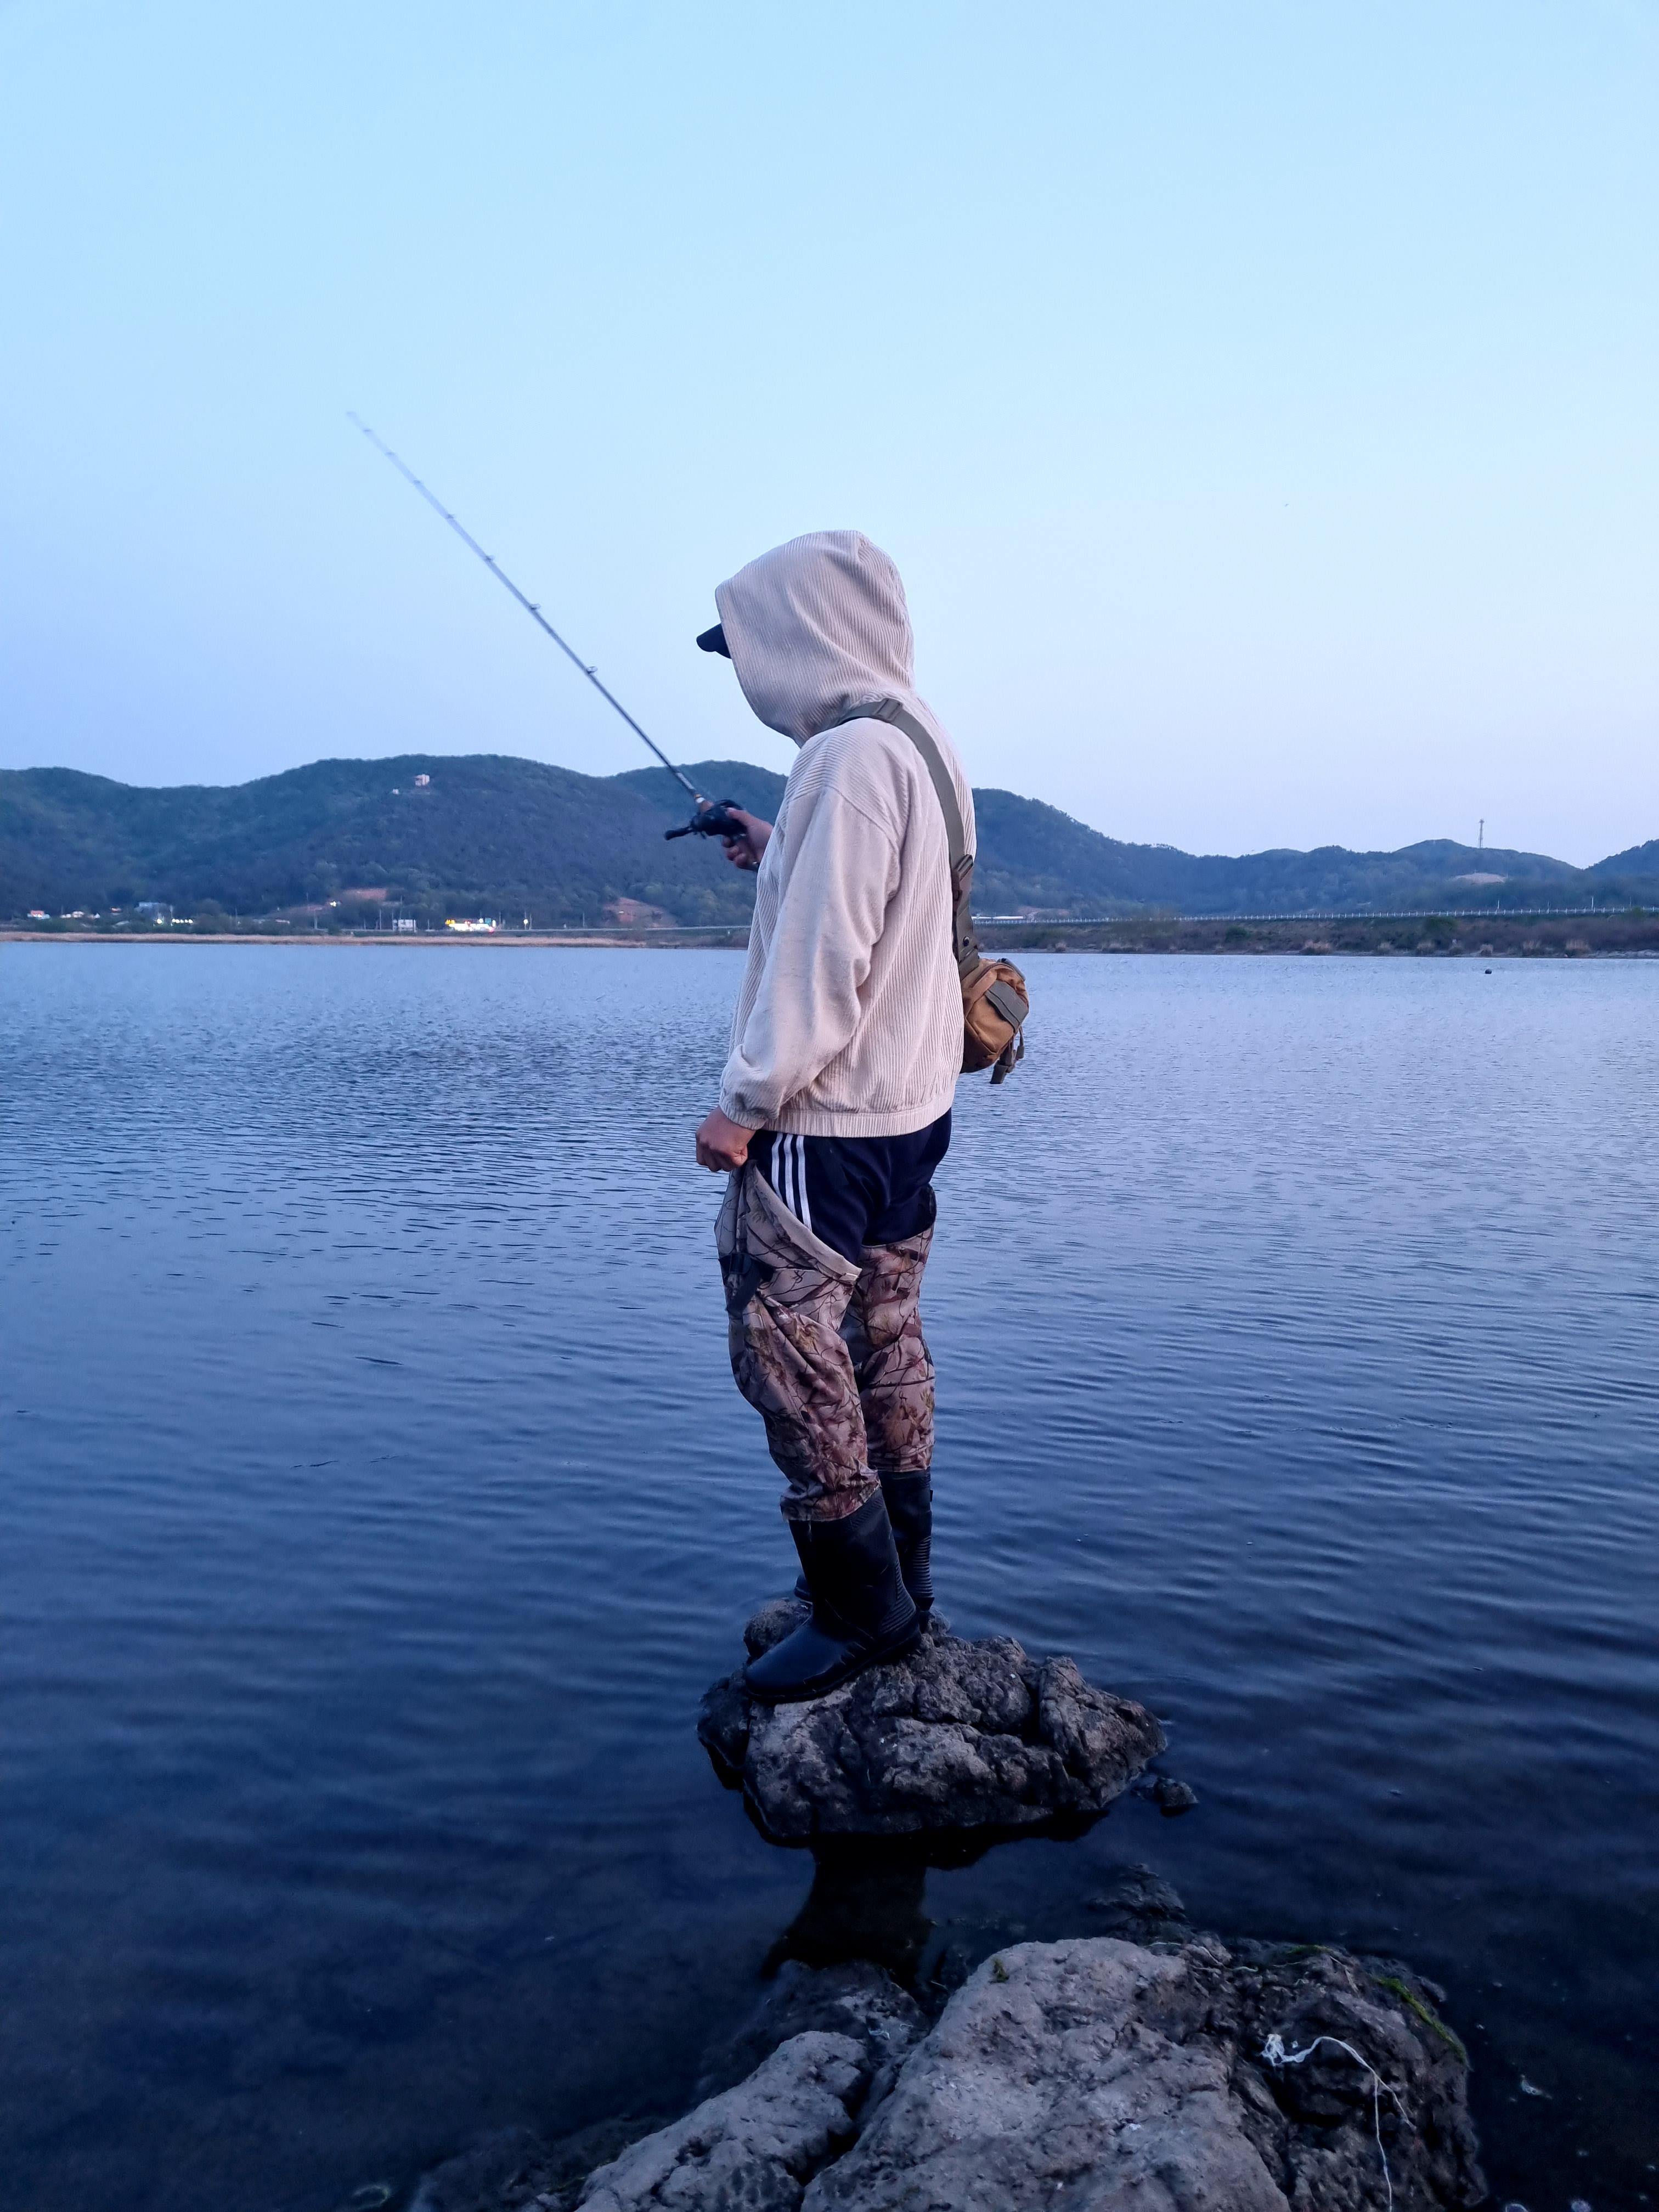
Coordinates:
(827, 1348)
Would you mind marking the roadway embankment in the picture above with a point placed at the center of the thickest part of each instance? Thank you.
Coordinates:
(1493, 936)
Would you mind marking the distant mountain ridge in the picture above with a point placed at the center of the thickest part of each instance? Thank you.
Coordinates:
(488, 831)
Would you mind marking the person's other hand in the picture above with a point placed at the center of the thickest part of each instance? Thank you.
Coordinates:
(722, 1143)
(745, 851)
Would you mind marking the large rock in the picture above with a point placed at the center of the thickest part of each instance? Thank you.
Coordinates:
(1150, 2070)
(958, 1736)
(1101, 2073)
(1096, 2075)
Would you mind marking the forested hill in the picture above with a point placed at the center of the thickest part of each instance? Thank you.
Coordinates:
(489, 833)
(486, 833)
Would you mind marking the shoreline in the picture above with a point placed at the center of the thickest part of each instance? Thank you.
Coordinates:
(1495, 936)
(661, 940)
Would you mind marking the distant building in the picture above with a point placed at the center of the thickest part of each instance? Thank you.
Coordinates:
(639, 914)
(39, 914)
(479, 927)
(156, 910)
(405, 925)
(422, 781)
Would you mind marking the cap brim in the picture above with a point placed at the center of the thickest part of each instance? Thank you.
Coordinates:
(713, 641)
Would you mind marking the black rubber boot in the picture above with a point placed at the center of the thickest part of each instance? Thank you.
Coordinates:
(861, 1612)
(910, 1501)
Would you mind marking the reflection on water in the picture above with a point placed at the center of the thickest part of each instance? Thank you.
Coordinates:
(377, 1506)
(864, 1903)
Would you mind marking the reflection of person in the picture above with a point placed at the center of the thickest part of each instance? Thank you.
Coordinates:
(835, 1106)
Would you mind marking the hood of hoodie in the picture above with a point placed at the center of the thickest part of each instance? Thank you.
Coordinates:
(815, 627)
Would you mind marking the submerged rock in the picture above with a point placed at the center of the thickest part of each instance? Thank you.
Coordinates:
(481, 2175)
(1141, 1906)
(957, 1735)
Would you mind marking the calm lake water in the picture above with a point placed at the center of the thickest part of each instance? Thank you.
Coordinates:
(377, 1505)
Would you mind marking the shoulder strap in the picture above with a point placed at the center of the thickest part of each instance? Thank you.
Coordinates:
(963, 941)
(889, 710)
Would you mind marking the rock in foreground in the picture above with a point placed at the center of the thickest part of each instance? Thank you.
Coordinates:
(751, 2147)
(1096, 2074)
(957, 1735)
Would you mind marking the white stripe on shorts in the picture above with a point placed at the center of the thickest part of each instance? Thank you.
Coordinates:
(788, 1175)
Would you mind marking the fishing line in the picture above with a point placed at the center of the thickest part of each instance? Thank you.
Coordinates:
(1274, 2052)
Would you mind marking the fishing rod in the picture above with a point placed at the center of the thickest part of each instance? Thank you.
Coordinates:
(713, 817)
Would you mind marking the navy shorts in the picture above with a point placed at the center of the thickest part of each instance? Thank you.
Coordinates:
(855, 1191)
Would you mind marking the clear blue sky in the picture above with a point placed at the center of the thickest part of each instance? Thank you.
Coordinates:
(1259, 400)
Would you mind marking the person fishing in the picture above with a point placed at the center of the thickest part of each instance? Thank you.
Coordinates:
(865, 995)
(834, 1103)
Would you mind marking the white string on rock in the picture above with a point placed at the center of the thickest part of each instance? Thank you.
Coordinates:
(1274, 2052)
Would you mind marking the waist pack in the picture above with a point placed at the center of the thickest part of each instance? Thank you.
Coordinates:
(995, 999)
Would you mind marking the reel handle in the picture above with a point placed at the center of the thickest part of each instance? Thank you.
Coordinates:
(713, 820)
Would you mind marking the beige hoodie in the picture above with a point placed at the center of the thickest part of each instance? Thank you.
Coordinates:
(849, 1020)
